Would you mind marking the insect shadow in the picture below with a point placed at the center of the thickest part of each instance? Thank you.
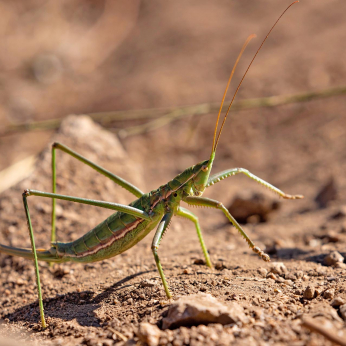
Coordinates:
(79, 306)
(290, 253)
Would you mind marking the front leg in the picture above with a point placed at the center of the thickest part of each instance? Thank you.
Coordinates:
(163, 226)
(211, 203)
(230, 172)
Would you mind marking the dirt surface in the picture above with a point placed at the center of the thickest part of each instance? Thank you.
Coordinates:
(298, 148)
(89, 304)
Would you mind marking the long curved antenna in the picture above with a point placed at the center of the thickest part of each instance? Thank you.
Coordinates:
(229, 107)
(228, 83)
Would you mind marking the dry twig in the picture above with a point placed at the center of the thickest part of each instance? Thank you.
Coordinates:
(165, 116)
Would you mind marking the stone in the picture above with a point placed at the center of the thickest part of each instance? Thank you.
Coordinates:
(149, 334)
(318, 291)
(329, 294)
(278, 268)
(147, 283)
(271, 276)
(202, 308)
(290, 276)
(252, 207)
(333, 258)
(309, 293)
(342, 310)
(262, 271)
(338, 301)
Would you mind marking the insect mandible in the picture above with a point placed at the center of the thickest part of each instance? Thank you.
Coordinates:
(131, 223)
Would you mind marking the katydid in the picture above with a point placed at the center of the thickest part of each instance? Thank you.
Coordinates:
(131, 223)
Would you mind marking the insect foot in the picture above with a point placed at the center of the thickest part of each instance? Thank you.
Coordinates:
(286, 196)
(260, 253)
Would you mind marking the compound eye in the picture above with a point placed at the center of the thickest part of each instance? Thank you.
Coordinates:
(175, 194)
(205, 168)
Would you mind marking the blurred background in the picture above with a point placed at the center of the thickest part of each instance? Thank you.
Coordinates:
(81, 56)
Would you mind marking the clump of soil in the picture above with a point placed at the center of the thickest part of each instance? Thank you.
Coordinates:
(106, 303)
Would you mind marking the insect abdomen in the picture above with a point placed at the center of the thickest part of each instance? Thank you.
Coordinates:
(111, 237)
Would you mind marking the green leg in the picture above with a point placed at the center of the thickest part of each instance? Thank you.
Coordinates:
(163, 225)
(113, 206)
(206, 202)
(122, 182)
(229, 172)
(187, 214)
(40, 302)
(108, 205)
(53, 234)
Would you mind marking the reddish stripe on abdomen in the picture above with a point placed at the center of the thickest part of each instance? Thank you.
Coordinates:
(115, 237)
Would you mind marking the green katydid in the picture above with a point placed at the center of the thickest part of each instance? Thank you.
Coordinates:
(131, 223)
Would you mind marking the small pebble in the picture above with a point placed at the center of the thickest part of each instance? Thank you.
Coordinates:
(318, 291)
(271, 276)
(278, 268)
(149, 334)
(290, 276)
(147, 283)
(187, 271)
(337, 302)
(329, 294)
(343, 311)
(309, 293)
(263, 272)
(333, 258)
(288, 282)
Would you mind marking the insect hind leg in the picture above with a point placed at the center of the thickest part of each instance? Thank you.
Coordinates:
(31, 233)
(116, 179)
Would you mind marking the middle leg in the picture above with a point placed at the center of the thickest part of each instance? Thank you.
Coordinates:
(188, 215)
(161, 229)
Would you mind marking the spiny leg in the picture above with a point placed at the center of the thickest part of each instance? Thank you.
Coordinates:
(120, 181)
(187, 214)
(229, 172)
(113, 206)
(207, 202)
(163, 225)
(40, 302)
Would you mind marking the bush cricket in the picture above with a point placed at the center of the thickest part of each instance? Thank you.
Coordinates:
(131, 223)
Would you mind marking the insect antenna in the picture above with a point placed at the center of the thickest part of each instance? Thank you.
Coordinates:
(229, 107)
(228, 83)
